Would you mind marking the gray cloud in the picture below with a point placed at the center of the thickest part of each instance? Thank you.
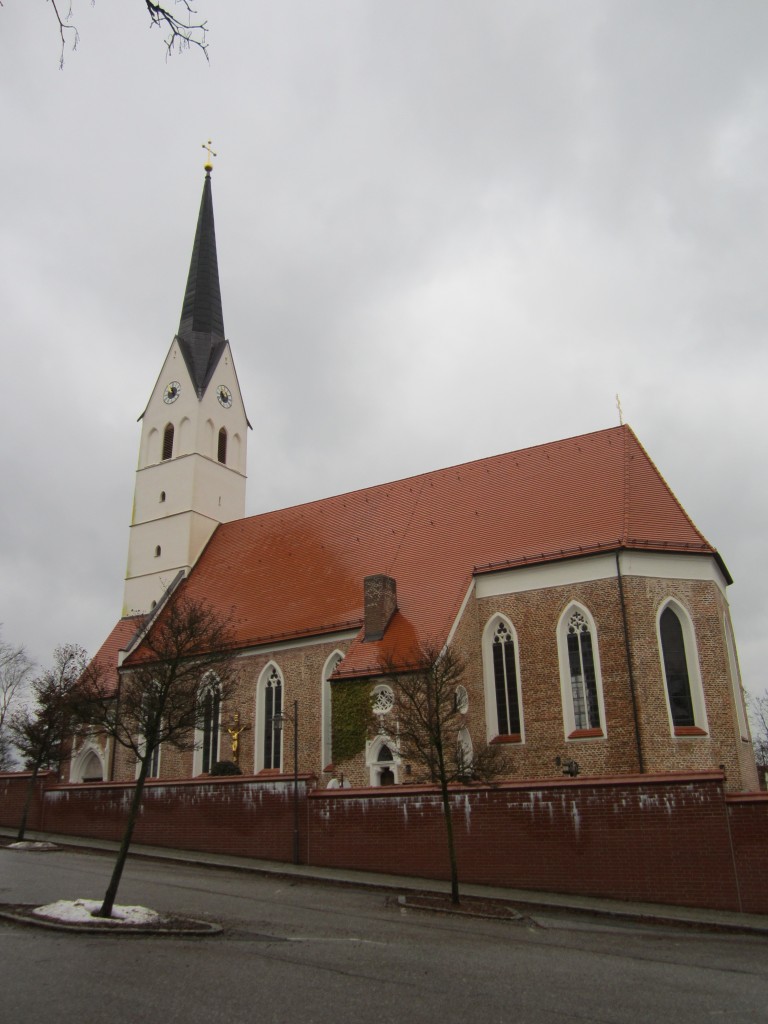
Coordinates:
(445, 231)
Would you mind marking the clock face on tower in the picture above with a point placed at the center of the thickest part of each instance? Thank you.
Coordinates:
(172, 392)
(224, 396)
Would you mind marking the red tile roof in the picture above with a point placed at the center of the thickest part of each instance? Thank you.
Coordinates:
(105, 659)
(299, 571)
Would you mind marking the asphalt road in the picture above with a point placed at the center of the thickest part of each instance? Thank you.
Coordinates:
(316, 954)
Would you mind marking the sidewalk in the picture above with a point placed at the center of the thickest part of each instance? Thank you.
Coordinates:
(722, 920)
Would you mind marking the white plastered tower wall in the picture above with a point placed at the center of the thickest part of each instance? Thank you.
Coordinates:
(179, 501)
(184, 489)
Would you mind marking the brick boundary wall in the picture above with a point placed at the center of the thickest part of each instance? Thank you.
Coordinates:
(246, 817)
(13, 793)
(675, 839)
(748, 820)
(660, 839)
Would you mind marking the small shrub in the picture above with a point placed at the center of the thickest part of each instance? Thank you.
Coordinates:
(226, 768)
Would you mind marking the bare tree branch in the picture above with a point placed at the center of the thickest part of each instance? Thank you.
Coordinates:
(15, 668)
(185, 30)
(181, 34)
(64, 27)
(758, 717)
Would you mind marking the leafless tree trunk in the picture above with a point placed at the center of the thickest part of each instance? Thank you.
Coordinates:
(185, 656)
(428, 720)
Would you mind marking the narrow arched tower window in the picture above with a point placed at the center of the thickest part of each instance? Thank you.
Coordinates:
(168, 442)
(223, 445)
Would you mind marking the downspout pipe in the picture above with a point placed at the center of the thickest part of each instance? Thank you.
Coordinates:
(628, 651)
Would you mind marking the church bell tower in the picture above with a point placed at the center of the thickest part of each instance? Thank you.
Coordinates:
(192, 457)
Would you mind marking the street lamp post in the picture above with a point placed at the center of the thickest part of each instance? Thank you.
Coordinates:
(278, 723)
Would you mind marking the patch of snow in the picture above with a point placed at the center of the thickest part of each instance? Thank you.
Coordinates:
(27, 844)
(81, 911)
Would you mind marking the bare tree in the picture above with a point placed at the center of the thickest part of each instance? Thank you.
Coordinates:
(430, 728)
(758, 716)
(42, 730)
(184, 28)
(15, 668)
(184, 668)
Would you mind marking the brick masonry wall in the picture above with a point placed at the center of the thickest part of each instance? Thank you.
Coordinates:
(660, 839)
(535, 615)
(673, 839)
(13, 792)
(748, 815)
(242, 816)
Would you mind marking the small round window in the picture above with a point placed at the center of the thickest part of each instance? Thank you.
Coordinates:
(383, 700)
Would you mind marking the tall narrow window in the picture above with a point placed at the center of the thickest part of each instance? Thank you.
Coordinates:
(581, 685)
(211, 727)
(676, 669)
(680, 670)
(505, 682)
(223, 445)
(273, 705)
(168, 442)
(581, 664)
(326, 739)
(738, 693)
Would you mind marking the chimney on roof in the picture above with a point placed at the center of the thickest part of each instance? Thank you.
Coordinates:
(380, 604)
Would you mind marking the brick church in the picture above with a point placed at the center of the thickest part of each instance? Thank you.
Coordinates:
(590, 612)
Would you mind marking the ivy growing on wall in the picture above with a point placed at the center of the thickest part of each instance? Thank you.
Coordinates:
(350, 717)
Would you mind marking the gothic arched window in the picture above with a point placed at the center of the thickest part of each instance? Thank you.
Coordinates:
(326, 739)
(505, 681)
(580, 680)
(675, 668)
(680, 664)
(272, 704)
(501, 672)
(581, 665)
(222, 451)
(210, 726)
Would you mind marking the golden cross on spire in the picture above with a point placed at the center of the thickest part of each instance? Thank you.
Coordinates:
(208, 162)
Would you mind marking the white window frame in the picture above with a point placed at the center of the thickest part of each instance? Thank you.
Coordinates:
(738, 690)
(210, 679)
(572, 731)
(489, 679)
(259, 717)
(326, 710)
(692, 665)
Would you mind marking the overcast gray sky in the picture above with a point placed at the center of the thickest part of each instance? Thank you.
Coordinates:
(445, 230)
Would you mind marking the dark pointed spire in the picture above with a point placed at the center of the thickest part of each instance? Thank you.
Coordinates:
(201, 329)
(201, 312)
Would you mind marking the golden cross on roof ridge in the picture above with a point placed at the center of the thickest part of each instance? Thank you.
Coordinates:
(208, 163)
